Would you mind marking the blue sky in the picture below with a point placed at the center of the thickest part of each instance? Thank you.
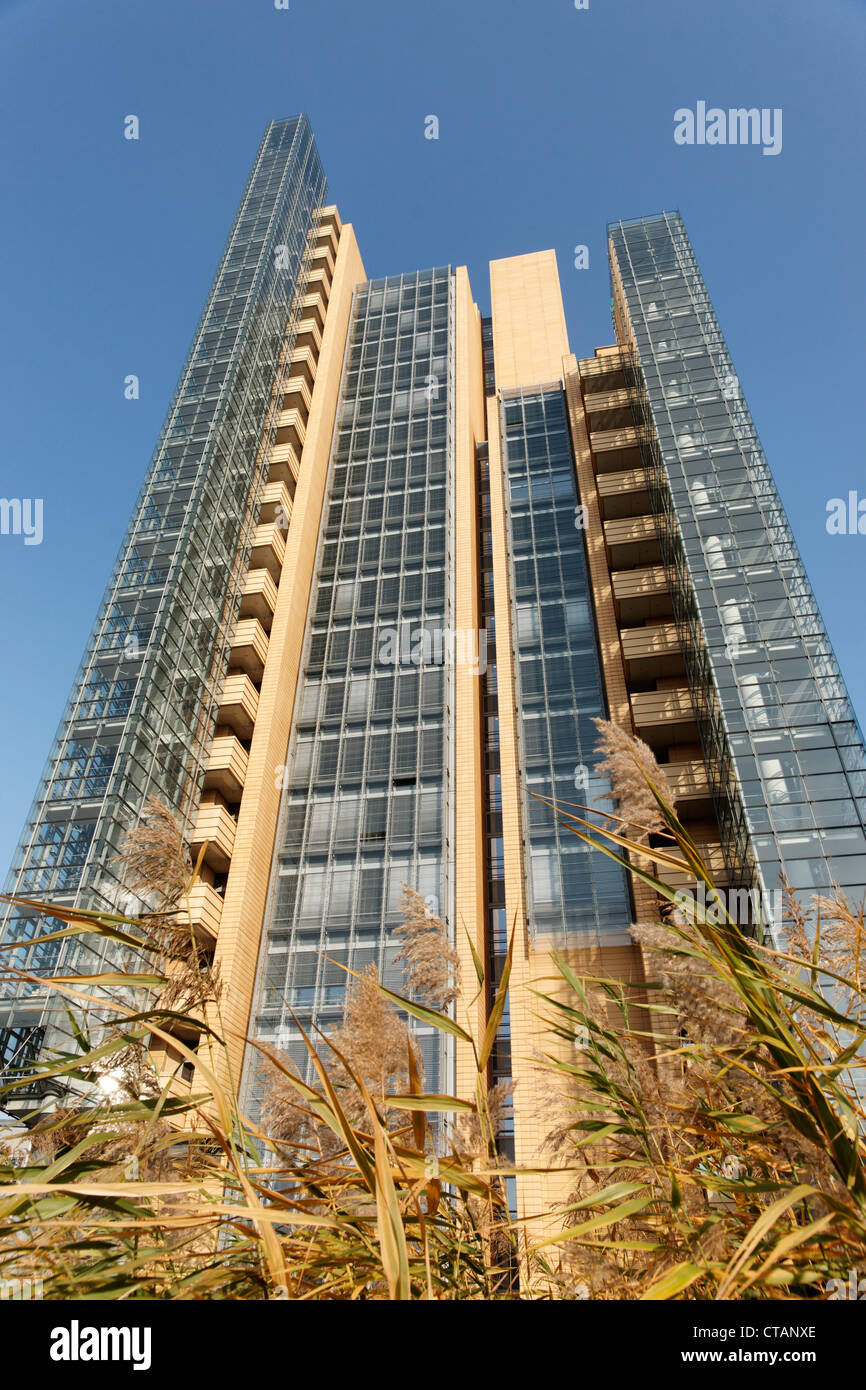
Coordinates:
(552, 122)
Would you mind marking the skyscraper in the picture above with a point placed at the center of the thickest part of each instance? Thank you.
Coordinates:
(391, 561)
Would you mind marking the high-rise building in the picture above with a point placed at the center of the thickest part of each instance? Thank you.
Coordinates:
(391, 561)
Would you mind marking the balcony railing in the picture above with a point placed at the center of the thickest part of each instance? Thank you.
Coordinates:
(259, 597)
(205, 909)
(714, 860)
(269, 549)
(302, 364)
(639, 583)
(216, 828)
(626, 530)
(608, 365)
(655, 707)
(655, 639)
(239, 704)
(310, 333)
(291, 429)
(249, 649)
(629, 480)
(285, 464)
(687, 779)
(226, 769)
(296, 396)
(606, 400)
(604, 440)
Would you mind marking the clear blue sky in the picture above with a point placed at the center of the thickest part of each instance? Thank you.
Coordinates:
(553, 121)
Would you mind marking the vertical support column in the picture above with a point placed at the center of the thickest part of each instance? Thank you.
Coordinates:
(469, 820)
(530, 340)
(521, 1003)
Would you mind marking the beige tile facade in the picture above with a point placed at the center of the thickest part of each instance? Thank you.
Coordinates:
(469, 816)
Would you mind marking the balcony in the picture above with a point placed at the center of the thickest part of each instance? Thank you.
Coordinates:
(615, 450)
(297, 396)
(604, 440)
(239, 704)
(276, 503)
(641, 583)
(174, 1070)
(249, 648)
(314, 305)
(291, 429)
(226, 769)
(623, 494)
(285, 465)
(713, 858)
(205, 910)
(632, 541)
(269, 549)
(319, 281)
(216, 828)
(302, 363)
(641, 594)
(687, 781)
(324, 255)
(309, 334)
(187, 1029)
(608, 410)
(601, 374)
(259, 597)
(328, 235)
(652, 651)
(664, 717)
(329, 217)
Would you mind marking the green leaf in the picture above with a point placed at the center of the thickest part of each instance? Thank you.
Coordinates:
(673, 1282)
(423, 1014)
(427, 1102)
(476, 959)
(498, 1009)
(392, 1236)
(738, 1124)
(597, 1223)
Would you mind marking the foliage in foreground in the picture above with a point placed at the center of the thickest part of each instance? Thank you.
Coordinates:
(722, 1115)
(711, 1131)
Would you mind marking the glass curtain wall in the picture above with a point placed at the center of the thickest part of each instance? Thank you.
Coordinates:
(575, 896)
(785, 725)
(142, 710)
(368, 806)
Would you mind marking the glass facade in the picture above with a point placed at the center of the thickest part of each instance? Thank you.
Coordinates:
(142, 711)
(369, 801)
(574, 895)
(780, 737)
